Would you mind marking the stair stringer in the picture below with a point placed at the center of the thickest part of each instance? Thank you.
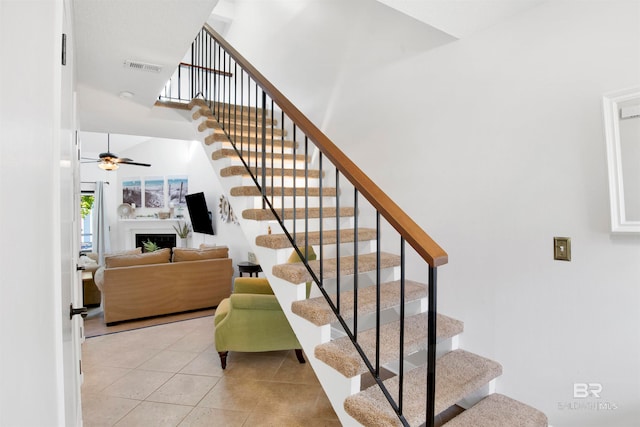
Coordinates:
(336, 386)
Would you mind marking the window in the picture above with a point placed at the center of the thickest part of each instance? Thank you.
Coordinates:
(86, 223)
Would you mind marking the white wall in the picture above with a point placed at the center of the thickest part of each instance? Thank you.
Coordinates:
(169, 157)
(494, 144)
(31, 366)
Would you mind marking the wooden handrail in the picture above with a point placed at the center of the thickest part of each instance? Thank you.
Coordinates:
(211, 70)
(413, 234)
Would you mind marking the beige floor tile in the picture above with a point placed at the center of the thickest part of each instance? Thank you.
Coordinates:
(290, 399)
(210, 417)
(137, 384)
(269, 419)
(105, 411)
(293, 371)
(324, 409)
(252, 365)
(160, 339)
(234, 393)
(206, 363)
(118, 356)
(168, 361)
(96, 380)
(184, 389)
(171, 374)
(196, 341)
(155, 414)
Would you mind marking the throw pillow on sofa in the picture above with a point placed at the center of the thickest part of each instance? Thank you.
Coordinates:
(156, 257)
(193, 254)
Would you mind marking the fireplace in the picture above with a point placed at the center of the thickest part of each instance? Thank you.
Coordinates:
(160, 239)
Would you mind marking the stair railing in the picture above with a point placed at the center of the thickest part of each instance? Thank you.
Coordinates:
(257, 119)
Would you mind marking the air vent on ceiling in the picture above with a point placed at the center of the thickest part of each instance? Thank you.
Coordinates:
(630, 112)
(142, 66)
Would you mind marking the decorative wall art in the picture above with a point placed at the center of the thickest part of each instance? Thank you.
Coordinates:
(226, 211)
(178, 188)
(132, 191)
(154, 192)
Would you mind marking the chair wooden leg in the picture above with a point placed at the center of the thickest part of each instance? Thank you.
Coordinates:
(300, 356)
(223, 358)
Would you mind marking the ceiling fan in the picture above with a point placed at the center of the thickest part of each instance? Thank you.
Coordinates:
(110, 162)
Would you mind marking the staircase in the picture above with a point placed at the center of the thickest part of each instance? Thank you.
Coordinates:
(378, 346)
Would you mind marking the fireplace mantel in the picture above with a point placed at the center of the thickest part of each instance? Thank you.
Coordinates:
(130, 227)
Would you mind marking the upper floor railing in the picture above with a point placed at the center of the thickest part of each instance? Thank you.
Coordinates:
(266, 131)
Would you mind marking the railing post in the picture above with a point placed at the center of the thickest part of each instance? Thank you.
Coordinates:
(431, 349)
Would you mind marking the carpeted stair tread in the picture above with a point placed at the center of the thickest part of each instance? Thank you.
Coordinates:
(342, 356)
(499, 410)
(317, 310)
(277, 172)
(329, 237)
(230, 117)
(288, 213)
(253, 191)
(297, 272)
(240, 128)
(458, 373)
(244, 131)
(176, 105)
(250, 141)
(230, 152)
(247, 144)
(229, 113)
(223, 106)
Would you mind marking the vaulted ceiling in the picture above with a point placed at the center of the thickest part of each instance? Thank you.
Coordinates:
(113, 97)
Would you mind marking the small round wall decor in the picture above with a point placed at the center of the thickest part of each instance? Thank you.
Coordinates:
(224, 209)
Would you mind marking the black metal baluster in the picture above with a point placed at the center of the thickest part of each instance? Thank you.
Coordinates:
(337, 240)
(272, 149)
(355, 264)
(378, 248)
(206, 65)
(295, 172)
(242, 111)
(235, 105)
(282, 175)
(306, 199)
(321, 219)
(402, 307)
(264, 148)
(431, 348)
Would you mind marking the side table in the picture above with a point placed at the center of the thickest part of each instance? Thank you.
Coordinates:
(249, 267)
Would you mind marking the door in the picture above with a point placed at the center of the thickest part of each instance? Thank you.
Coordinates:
(72, 326)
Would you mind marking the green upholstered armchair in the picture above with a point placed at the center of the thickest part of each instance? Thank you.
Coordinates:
(251, 320)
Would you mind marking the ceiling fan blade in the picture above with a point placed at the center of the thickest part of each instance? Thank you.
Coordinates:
(121, 159)
(134, 163)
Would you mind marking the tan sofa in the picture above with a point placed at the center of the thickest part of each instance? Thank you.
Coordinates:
(152, 284)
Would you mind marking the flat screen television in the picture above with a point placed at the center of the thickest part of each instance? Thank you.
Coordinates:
(201, 220)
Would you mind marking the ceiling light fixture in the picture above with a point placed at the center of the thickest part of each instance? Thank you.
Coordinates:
(108, 166)
(126, 94)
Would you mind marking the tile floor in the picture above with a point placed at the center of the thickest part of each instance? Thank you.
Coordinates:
(170, 375)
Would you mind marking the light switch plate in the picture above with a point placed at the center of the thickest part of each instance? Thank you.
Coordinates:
(562, 248)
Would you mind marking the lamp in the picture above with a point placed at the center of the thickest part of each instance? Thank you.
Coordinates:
(108, 166)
